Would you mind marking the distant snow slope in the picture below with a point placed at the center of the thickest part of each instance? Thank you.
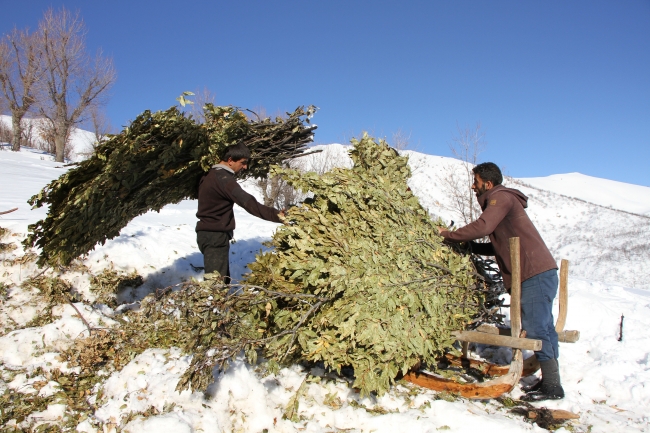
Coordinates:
(608, 193)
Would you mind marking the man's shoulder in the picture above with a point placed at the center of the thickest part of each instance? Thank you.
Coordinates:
(222, 176)
(505, 196)
(499, 196)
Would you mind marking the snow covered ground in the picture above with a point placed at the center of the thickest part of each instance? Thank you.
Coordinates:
(607, 381)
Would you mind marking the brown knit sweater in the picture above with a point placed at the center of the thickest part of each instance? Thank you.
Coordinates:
(218, 191)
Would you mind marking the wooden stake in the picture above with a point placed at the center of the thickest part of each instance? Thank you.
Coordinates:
(515, 289)
(563, 296)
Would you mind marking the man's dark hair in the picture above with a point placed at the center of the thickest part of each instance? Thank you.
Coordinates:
(488, 171)
(236, 152)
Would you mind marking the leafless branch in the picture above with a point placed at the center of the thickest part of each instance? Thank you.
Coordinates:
(457, 183)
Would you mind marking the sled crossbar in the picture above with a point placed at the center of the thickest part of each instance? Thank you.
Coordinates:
(567, 336)
(498, 340)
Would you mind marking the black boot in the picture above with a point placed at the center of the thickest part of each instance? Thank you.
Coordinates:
(550, 388)
(534, 387)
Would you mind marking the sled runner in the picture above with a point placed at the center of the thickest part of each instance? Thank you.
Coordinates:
(506, 376)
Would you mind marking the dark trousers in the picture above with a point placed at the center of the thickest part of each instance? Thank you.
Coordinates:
(215, 247)
(537, 295)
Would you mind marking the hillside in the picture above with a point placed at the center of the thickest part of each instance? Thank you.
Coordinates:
(605, 379)
(80, 140)
(608, 193)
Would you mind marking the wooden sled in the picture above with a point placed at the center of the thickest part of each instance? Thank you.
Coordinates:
(507, 376)
(8, 211)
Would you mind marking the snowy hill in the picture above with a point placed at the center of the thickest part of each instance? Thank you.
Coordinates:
(608, 193)
(80, 140)
(606, 380)
(604, 239)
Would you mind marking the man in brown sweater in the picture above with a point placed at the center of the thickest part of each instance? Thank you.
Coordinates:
(504, 217)
(218, 192)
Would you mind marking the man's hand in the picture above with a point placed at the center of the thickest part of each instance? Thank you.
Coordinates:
(442, 231)
(282, 214)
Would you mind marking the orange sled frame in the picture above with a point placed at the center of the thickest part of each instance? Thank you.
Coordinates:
(506, 377)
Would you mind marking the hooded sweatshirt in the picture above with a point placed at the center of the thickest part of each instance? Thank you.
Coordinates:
(504, 217)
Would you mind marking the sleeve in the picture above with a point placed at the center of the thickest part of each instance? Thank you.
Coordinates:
(498, 207)
(250, 205)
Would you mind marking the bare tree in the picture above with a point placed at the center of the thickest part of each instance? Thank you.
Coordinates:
(401, 140)
(5, 134)
(101, 124)
(275, 191)
(28, 134)
(278, 193)
(72, 80)
(46, 137)
(101, 127)
(457, 183)
(20, 70)
(201, 97)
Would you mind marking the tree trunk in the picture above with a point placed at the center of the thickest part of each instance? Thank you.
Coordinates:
(60, 138)
(17, 131)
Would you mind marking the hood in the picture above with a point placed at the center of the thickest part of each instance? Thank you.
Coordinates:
(482, 199)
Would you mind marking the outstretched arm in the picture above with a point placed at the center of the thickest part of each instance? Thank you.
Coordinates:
(251, 205)
(497, 209)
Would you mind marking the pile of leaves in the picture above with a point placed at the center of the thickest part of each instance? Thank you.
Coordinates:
(156, 161)
(109, 283)
(90, 358)
(358, 277)
(387, 293)
(5, 247)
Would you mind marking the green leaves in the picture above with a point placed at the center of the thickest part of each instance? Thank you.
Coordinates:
(358, 277)
(156, 161)
(183, 100)
(365, 242)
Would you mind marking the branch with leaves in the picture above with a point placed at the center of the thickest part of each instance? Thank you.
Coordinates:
(155, 161)
(358, 277)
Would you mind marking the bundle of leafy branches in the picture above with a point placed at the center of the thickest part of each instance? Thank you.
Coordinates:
(358, 277)
(387, 291)
(156, 161)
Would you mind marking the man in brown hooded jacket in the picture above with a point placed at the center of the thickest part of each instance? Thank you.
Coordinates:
(504, 217)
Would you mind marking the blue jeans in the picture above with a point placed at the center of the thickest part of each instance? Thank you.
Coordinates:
(537, 295)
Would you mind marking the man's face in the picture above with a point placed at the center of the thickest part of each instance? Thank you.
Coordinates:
(479, 186)
(238, 166)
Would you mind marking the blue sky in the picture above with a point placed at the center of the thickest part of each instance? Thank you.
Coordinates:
(557, 86)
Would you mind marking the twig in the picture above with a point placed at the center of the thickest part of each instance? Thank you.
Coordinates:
(315, 307)
(281, 294)
(620, 337)
(42, 272)
(90, 329)
(8, 211)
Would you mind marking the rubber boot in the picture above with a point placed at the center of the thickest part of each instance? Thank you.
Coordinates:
(551, 387)
(534, 387)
